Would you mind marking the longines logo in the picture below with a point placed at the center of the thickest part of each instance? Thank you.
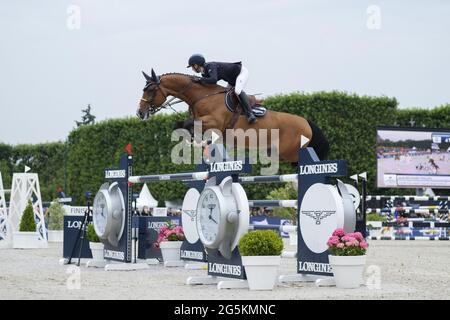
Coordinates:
(226, 166)
(319, 168)
(114, 174)
(113, 254)
(74, 224)
(311, 266)
(221, 268)
(157, 225)
(196, 255)
(318, 215)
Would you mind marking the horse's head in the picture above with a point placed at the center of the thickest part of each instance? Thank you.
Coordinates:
(152, 98)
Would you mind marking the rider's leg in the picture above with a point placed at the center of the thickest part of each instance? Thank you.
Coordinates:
(241, 81)
(246, 105)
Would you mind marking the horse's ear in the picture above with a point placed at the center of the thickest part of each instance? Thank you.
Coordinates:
(155, 78)
(147, 77)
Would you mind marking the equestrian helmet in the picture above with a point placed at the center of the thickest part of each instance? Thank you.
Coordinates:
(196, 59)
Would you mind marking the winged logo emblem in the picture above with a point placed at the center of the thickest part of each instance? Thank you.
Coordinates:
(318, 215)
(191, 213)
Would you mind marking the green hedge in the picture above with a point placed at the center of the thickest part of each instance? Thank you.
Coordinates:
(96, 147)
(344, 119)
(46, 159)
(349, 122)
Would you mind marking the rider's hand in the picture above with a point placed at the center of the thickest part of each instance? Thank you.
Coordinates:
(197, 80)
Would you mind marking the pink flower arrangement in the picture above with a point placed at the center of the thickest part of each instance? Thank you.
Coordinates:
(170, 232)
(347, 244)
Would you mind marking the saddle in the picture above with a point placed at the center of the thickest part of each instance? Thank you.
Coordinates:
(232, 103)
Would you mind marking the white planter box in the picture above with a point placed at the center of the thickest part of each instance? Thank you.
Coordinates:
(262, 271)
(28, 240)
(171, 250)
(375, 233)
(348, 270)
(375, 224)
(55, 235)
(293, 238)
(97, 250)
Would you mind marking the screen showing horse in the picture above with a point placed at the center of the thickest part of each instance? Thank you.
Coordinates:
(413, 157)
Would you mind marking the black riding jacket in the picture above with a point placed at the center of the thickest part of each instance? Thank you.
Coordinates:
(215, 71)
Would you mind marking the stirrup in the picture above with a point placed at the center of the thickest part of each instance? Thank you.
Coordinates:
(251, 119)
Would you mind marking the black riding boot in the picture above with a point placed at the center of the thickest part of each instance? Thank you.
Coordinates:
(247, 109)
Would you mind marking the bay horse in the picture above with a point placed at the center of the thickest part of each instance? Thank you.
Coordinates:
(207, 104)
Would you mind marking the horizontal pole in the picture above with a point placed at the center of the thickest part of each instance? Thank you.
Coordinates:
(400, 208)
(410, 238)
(189, 176)
(393, 210)
(413, 198)
(268, 179)
(289, 254)
(417, 224)
(264, 227)
(281, 228)
(169, 177)
(273, 203)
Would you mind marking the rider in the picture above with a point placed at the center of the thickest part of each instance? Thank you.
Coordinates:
(234, 73)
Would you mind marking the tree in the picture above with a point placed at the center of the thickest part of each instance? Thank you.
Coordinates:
(27, 222)
(55, 216)
(87, 118)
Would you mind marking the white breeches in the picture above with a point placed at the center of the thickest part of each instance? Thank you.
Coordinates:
(241, 80)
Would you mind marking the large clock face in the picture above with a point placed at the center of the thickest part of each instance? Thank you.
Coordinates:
(100, 213)
(209, 216)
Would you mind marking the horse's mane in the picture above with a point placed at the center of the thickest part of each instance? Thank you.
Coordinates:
(190, 76)
(180, 74)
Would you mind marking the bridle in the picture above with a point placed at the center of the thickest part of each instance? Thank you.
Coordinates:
(152, 109)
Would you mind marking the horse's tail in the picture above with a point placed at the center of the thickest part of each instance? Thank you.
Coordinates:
(318, 142)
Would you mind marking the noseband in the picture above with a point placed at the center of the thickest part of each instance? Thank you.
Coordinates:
(152, 109)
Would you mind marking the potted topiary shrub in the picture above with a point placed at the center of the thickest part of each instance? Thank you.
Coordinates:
(55, 216)
(169, 241)
(347, 258)
(287, 192)
(375, 224)
(27, 236)
(261, 257)
(95, 244)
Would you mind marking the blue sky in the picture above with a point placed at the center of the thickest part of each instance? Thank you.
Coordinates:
(50, 69)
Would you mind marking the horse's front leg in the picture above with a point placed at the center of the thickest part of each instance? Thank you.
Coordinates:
(207, 123)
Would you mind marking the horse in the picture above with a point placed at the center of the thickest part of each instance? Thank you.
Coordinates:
(434, 165)
(207, 104)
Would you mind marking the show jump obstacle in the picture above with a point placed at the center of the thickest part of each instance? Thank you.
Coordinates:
(5, 232)
(322, 207)
(24, 188)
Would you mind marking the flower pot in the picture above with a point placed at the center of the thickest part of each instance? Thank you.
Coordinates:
(55, 235)
(28, 240)
(348, 270)
(261, 271)
(375, 232)
(293, 239)
(170, 250)
(375, 224)
(97, 250)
